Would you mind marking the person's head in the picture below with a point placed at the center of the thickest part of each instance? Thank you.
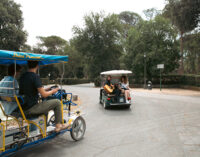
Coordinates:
(33, 64)
(124, 79)
(109, 77)
(11, 69)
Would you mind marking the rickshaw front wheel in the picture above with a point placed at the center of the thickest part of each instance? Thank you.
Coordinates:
(78, 129)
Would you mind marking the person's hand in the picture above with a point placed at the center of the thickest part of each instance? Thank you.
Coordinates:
(48, 89)
(55, 90)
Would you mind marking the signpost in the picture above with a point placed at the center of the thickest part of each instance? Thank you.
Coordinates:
(160, 66)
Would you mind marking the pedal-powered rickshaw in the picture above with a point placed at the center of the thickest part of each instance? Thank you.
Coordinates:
(107, 98)
(21, 137)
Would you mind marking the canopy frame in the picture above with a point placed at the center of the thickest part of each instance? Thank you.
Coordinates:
(21, 58)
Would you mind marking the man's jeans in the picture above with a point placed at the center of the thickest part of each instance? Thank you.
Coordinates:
(45, 106)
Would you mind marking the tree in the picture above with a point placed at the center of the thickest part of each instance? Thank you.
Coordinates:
(12, 35)
(75, 65)
(192, 56)
(99, 42)
(184, 14)
(128, 19)
(52, 44)
(151, 13)
(155, 38)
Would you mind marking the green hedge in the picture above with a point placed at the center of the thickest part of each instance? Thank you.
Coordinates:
(171, 80)
(183, 80)
(65, 81)
(45, 81)
(97, 82)
(72, 81)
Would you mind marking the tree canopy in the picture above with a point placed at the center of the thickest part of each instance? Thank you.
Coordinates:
(184, 14)
(12, 35)
(52, 44)
(116, 41)
(99, 42)
(156, 39)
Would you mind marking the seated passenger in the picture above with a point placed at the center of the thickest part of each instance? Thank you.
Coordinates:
(7, 82)
(124, 85)
(108, 82)
(30, 86)
(114, 88)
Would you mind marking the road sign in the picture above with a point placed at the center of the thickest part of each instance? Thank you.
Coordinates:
(160, 66)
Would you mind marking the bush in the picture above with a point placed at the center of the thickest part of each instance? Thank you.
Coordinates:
(67, 81)
(72, 81)
(97, 82)
(45, 81)
(179, 80)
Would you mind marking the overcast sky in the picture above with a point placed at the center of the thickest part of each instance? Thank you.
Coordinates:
(57, 17)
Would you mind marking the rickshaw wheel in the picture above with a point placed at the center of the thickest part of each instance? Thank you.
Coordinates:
(78, 129)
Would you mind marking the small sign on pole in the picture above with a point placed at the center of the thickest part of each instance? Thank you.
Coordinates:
(160, 66)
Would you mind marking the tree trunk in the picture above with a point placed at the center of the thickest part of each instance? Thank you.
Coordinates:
(181, 69)
(198, 64)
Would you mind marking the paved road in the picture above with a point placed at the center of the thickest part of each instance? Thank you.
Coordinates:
(157, 125)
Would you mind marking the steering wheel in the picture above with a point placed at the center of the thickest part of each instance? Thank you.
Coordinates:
(53, 87)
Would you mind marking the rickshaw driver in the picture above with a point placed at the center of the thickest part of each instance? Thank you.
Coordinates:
(30, 86)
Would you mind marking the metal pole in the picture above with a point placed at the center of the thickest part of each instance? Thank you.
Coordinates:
(14, 93)
(144, 70)
(62, 75)
(160, 81)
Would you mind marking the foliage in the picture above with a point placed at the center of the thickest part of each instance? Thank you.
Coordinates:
(52, 44)
(65, 81)
(172, 80)
(192, 54)
(108, 42)
(129, 18)
(12, 35)
(155, 38)
(151, 13)
(184, 14)
(99, 42)
(72, 81)
(97, 81)
(75, 65)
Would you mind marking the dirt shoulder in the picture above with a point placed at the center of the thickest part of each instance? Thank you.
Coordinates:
(174, 91)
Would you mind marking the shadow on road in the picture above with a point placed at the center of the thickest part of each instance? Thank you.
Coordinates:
(117, 108)
(54, 147)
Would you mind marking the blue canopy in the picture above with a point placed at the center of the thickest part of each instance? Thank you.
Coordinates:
(9, 57)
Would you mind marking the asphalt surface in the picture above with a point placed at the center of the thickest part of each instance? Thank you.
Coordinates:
(156, 125)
